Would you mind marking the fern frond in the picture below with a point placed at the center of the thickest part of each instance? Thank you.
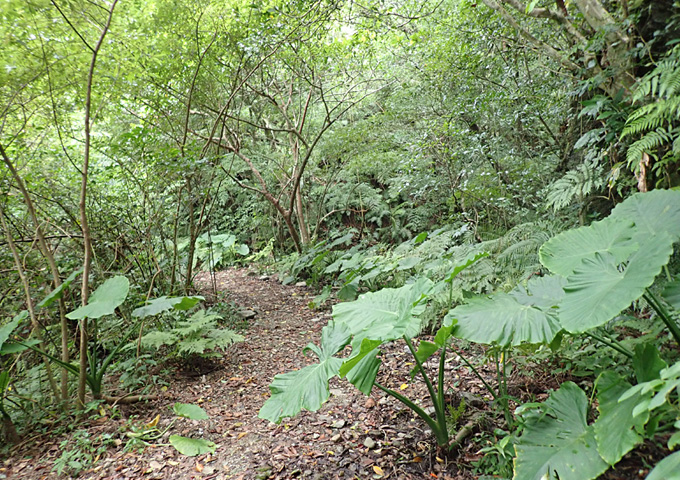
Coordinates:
(651, 141)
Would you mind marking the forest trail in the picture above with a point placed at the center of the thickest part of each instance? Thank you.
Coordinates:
(352, 436)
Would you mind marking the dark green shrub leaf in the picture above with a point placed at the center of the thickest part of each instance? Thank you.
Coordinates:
(617, 431)
(647, 363)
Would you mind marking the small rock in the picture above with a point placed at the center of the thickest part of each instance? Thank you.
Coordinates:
(301, 284)
(336, 438)
(336, 392)
(263, 277)
(208, 470)
(369, 443)
(247, 314)
(338, 424)
(370, 403)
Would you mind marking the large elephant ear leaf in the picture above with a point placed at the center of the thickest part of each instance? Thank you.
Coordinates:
(666, 469)
(307, 388)
(599, 288)
(384, 315)
(671, 293)
(564, 252)
(653, 212)
(162, 304)
(617, 430)
(558, 443)
(104, 301)
(523, 315)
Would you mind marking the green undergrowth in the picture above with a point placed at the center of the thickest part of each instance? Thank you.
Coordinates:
(597, 306)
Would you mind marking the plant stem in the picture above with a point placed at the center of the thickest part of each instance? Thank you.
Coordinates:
(612, 344)
(663, 313)
(441, 436)
(474, 370)
(440, 379)
(438, 406)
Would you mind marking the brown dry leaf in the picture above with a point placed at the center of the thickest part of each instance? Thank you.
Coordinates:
(199, 467)
(370, 403)
(153, 422)
(417, 459)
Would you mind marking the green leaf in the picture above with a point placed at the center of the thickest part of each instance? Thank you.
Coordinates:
(4, 381)
(599, 289)
(647, 363)
(242, 249)
(564, 252)
(104, 301)
(384, 315)
(530, 6)
(559, 443)
(307, 388)
(671, 293)
(12, 348)
(511, 318)
(348, 292)
(7, 329)
(470, 260)
(192, 447)
(544, 292)
(59, 291)
(190, 411)
(367, 347)
(363, 374)
(158, 339)
(617, 431)
(666, 469)
(162, 304)
(426, 348)
(653, 212)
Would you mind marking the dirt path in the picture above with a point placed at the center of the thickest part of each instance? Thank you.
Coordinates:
(353, 436)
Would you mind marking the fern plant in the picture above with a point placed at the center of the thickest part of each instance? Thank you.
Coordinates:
(657, 120)
(577, 185)
(198, 335)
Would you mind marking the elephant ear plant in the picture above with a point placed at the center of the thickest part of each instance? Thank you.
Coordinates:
(598, 271)
(104, 301)
(368, 323)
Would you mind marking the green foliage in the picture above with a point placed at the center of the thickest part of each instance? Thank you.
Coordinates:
(80, 452)
(199, 335)
(367, 323)
(656, 122)
(557, 441)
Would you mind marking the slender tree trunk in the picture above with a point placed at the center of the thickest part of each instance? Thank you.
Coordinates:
(52, 264)
(87, 241)
(35, 326)
(193, 234)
